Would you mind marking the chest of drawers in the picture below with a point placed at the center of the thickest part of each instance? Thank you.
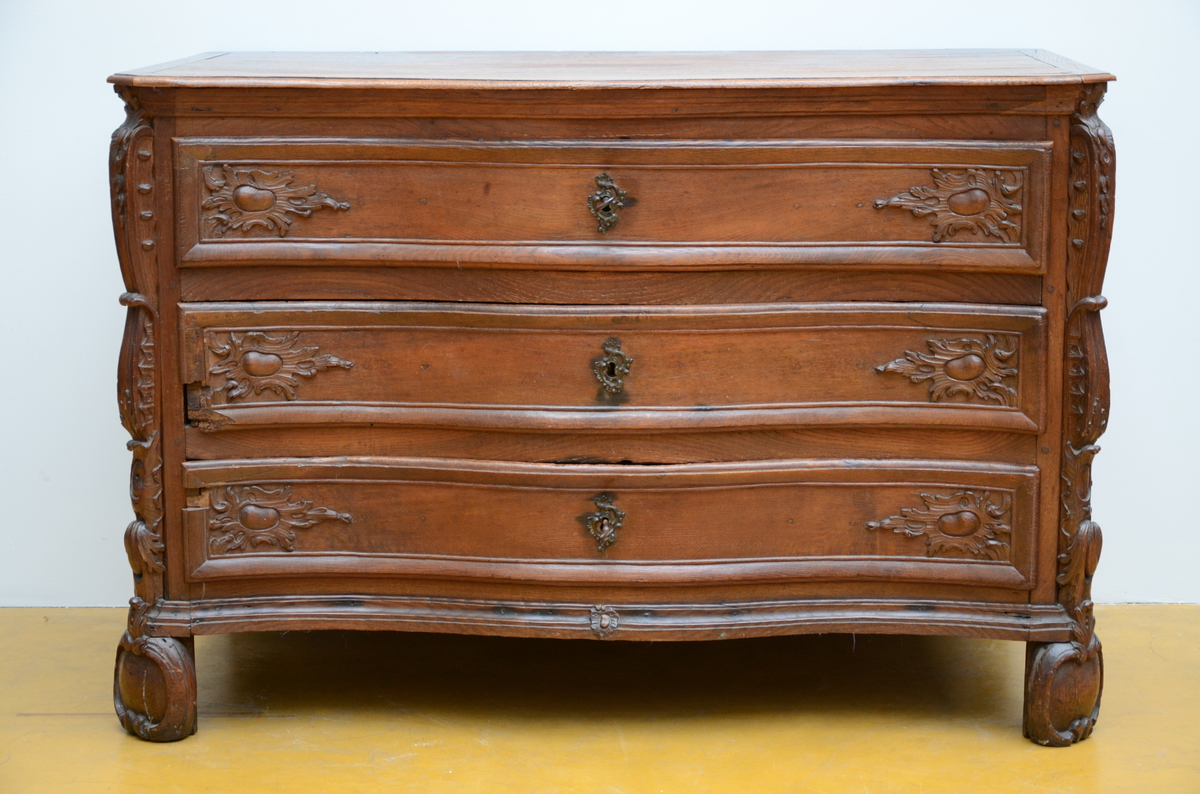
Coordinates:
(636, 346)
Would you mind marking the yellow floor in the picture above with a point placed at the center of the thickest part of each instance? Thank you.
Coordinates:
(344, 712)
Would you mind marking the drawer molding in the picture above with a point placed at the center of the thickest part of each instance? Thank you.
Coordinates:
(970, 201)
(972, 368)
(242, 200)
(633, 620)
(962, 522)
(245, 518)
(255, 361)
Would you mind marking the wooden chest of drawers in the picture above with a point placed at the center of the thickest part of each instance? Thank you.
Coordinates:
(639, 346)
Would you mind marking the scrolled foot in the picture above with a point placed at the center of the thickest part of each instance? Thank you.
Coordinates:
(1063, 683)
(154, 690)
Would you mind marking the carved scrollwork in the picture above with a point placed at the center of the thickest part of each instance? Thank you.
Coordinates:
(131, 172)
(972, 368)
(975, 200)
(251, 516)
(242, 200)
(1090, 230)
(158, 706)
(604, 621)
(969, 522)
(604, 523)
(1064, 680)
(254, 361)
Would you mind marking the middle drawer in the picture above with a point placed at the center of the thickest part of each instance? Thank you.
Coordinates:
(597, 368)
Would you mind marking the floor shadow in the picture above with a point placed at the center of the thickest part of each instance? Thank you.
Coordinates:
(299, 672)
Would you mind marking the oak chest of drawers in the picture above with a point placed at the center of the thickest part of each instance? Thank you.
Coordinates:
(637, 346)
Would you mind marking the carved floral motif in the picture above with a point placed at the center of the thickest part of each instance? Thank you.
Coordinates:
(244, 199)
(971, 201)
(969, 522)
(254, 361)
(968, 367)
(247, 517)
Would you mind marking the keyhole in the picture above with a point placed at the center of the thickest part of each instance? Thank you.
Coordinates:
(612, 369)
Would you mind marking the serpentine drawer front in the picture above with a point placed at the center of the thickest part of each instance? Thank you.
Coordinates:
(976, 204)
(823, 520)
(631, 346)
(856, 363)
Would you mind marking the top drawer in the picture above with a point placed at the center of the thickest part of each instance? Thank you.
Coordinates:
(574, 204)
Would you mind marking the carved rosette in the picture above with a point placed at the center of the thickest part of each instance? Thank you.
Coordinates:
(242, 200)
(966, 522)
(254, 362)
(980, 201)
(247, 518)
(604, 621)
(603, 524)
(971, 368)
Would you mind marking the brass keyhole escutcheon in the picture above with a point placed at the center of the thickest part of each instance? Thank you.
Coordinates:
(612, 367)
(605, 202)
(604, 523)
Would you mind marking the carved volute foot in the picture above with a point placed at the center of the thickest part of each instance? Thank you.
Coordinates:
(154, 690)
(1063, 683)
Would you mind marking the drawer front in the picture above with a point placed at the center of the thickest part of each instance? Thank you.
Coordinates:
(572, 368)
(973, 205)
(938, 522)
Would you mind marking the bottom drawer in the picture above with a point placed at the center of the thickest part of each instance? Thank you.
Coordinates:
(889, 520)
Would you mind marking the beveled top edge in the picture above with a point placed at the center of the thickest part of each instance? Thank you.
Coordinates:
(525, 70)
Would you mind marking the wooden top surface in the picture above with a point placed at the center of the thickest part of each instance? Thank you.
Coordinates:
(482, 70)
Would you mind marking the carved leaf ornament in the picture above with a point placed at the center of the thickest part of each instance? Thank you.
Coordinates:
(975, 200)
(245, 199)
(254, 362)
(965, 521)
(963, 367)
(248, 517)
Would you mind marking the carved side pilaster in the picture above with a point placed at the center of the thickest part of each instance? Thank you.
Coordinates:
(1076, 666)
(1090, 232)
(131, 170)
(154, 689)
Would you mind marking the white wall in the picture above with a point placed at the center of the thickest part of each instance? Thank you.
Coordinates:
(64, 469)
